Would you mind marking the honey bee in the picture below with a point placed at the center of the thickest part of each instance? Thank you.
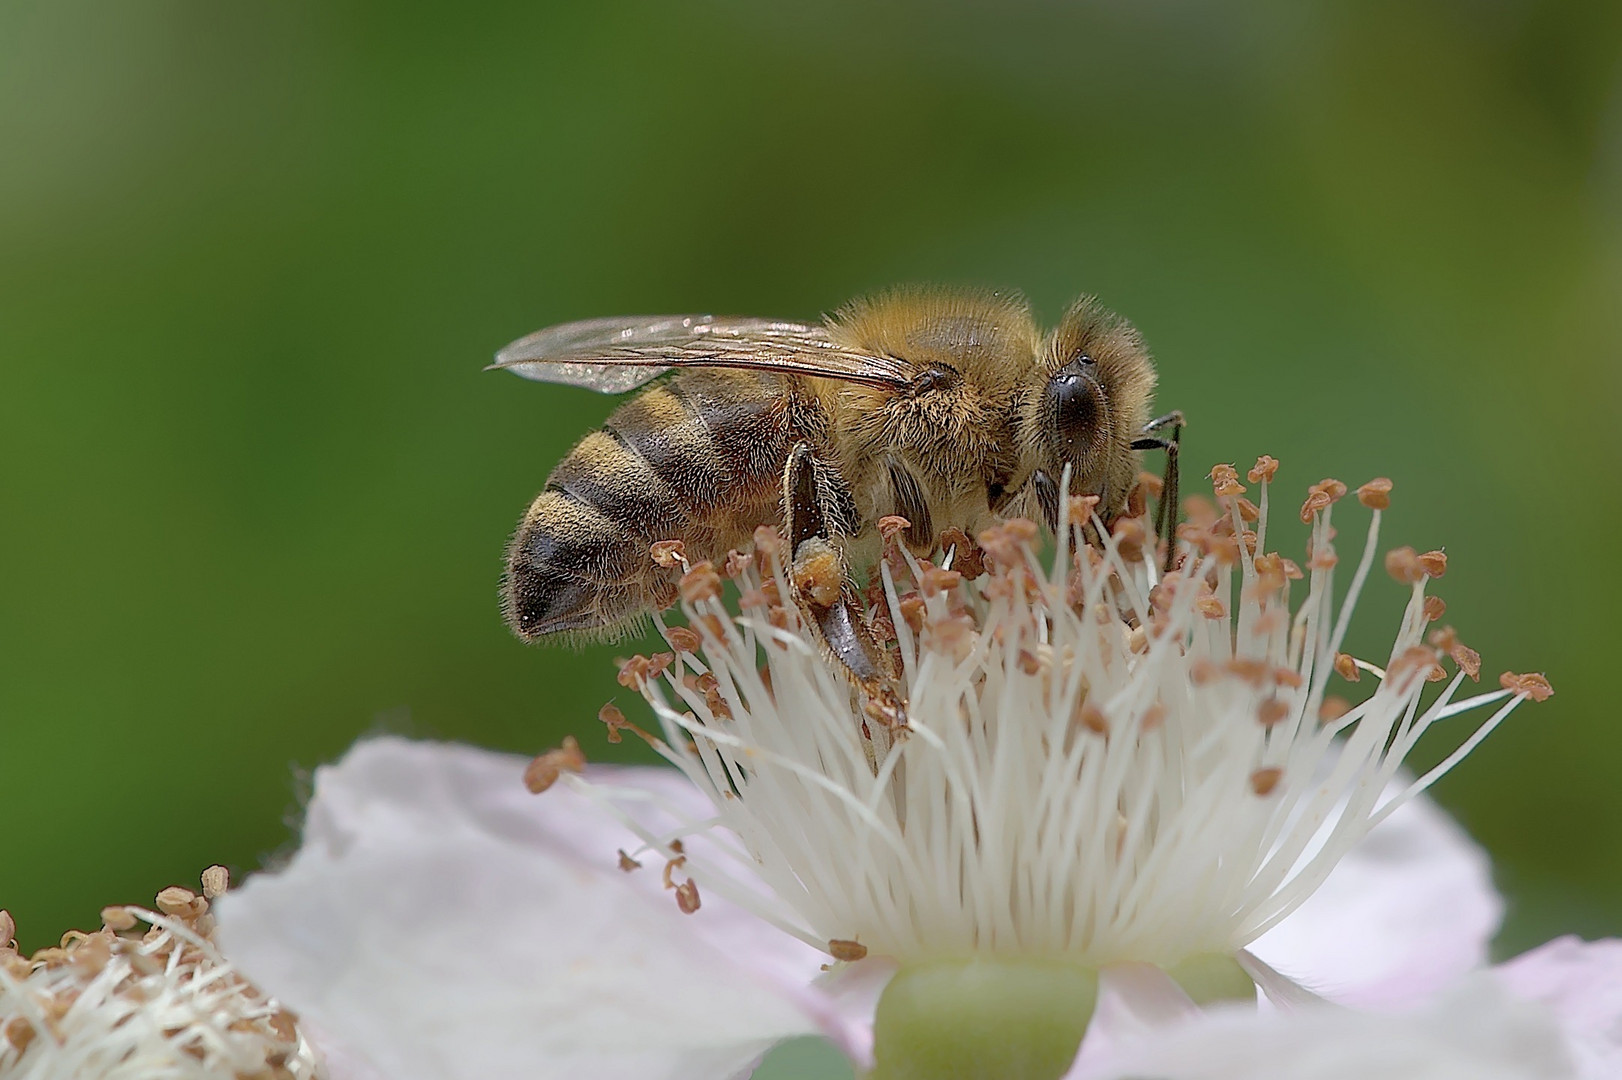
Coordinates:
(951, 409)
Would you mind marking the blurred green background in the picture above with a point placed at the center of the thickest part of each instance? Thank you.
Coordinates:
(254, 487)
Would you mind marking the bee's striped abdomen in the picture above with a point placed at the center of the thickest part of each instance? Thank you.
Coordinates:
(696, 459)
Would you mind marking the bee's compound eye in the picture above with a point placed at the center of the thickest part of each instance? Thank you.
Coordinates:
(1075, 403)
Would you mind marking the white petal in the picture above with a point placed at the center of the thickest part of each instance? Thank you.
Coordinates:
(1477, 1033)
(441, 922)
(1410, 910)
(1581, 983)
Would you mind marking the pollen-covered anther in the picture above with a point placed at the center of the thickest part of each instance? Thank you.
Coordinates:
(683, 639)
(1225, 482)
(116, 918)
(1251, 670)
(1137, 503)
(1248, 511)
(216, 880)
(1130, 538)
(1263, 781)
(952, 635)
(1211, 607)
(633, 673)
(1271, 712)
(1376, 494)
(1153, 717)
(1534, 686)
(967, 558)
(544, 771)
(768, 544)
(1079, 509)
(1434, 608)
(1333, 708)
(1153, 486)
(181, 902)
(737, 564)
(892, 526)
(1006, 543)
(687, 896)
(1434, 563)
(626, 863)
(1415, 658)
(1404, 565)
(846, 951)
(1092, 718)
(936, 581)
(1203, 670)
(701, 583)
(1323, 557)
(912, 611)
(670, 554)
(1346, 667)
(1316, 501)
(1264, 470)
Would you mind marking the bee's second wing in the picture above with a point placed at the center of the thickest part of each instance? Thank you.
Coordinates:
(618, 354)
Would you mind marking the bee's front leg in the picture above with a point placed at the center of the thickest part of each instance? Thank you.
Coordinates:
(814, 525)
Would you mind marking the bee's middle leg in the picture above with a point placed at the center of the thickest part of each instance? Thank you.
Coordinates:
(814, 524)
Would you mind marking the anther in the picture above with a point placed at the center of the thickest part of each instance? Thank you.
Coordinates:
(1265, 469)
(1130, 536)
(670, 554)
(892, 526)
(1333, 708)
(1534, 686)
(626, 863)
(1435, 608)
(736, 564)
(1263, 781)
(684, 639)
(1318, 500)
(1225, 481)
(1376, 494)
(544, 771)
(116, 918)
(846, 951)
(1271, 712)
(1248, 511)
(1434, 563)
(1346, 667)
(216, 880)
(967, 558)
(687, 897)
(701, 583)
(1404, 565)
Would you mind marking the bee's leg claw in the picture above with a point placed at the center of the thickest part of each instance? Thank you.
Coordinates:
(822, 589)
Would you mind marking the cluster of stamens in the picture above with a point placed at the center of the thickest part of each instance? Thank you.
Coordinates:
(147, 994)
(1079, 756)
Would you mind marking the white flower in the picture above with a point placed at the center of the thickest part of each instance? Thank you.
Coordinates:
(118, 1004)
(1102, 784)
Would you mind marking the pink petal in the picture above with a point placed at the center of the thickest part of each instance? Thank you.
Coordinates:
(1476, 1033)
(1135, 1002)
(441, 922)
(1408, 911)
(1581, 982)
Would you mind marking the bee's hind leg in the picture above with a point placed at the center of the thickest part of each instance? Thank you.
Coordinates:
(816, 517)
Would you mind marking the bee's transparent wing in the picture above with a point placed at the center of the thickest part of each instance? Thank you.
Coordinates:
(618, 354)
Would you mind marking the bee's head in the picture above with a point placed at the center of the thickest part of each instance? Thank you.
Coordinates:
(1096, 381)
